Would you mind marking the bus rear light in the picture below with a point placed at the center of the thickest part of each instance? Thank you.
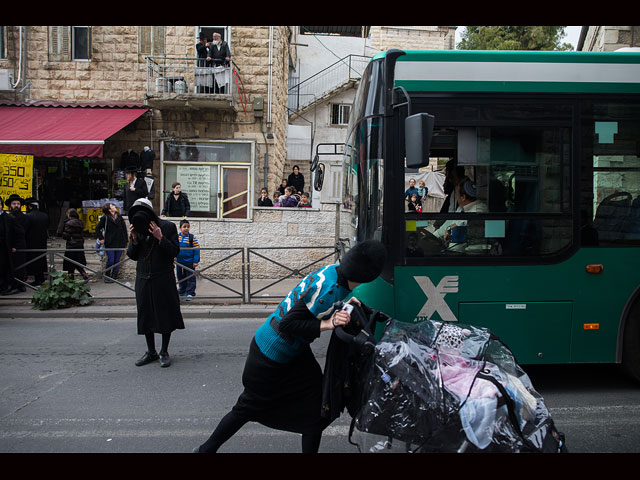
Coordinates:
(595, 268)
(592, 326)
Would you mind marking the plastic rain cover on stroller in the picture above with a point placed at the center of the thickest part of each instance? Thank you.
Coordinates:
(442, 387)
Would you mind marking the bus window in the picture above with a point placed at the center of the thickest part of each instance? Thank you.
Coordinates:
(521, 178)
(610, 204)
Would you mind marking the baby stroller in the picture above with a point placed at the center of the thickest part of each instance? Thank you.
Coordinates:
(432, 387)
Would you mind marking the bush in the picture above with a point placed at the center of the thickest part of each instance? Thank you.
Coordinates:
(61, 291)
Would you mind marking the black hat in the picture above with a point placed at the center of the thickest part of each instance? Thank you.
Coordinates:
(131, 169)
(30, 201)
(12, 198)
(364, 262)
(140, 214)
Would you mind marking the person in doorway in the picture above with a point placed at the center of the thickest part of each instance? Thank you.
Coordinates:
(134, 189)
(153, 244)
(296, 179)
(112, 233)
(75, 258)
(177, 203)
(282, 379)
(202, 50)
(36, 238)
(187, 261)
(219, 56)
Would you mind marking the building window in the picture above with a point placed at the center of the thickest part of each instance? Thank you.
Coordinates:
(340, 114)
(151, 41)
(3, 42)
(69, 43)
(81, 42)
(216, 176)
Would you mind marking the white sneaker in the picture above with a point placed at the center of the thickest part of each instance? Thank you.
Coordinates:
(189, 298)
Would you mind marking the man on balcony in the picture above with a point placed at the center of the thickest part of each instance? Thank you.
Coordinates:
(219, 56)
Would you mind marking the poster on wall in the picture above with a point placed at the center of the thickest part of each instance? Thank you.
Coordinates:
(195, 182)
(16, 175)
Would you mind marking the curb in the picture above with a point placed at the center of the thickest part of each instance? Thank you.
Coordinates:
(222, 311)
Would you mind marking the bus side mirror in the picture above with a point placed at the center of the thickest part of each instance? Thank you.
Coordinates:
(418, 130)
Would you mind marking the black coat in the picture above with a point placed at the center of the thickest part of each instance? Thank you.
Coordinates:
(140, 191)
(115, 235)
(157, 298)
(177, 208)
(218, 55)
(296, 181)
(36, 236)
(7, 242)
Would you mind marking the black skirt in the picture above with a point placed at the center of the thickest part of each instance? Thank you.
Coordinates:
(283, 396)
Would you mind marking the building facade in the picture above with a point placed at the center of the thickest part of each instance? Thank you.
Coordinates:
(194, 134)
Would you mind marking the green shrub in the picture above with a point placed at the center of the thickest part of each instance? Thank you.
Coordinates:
(61, 291)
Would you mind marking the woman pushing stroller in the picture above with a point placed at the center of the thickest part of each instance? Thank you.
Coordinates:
(282, 379)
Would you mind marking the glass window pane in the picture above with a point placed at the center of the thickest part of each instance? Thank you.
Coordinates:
(81, 43)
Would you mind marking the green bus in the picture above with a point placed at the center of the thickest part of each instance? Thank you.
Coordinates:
(549, 145)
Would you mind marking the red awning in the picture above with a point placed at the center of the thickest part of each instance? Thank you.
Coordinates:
(61, 131)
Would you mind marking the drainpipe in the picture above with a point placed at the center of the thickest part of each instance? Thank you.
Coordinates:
(270, 76)
(19, 61)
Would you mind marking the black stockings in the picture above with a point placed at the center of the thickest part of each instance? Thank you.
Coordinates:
(232, 422)
(151, 342)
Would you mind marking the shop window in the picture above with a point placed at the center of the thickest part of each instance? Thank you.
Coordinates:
(215, 175)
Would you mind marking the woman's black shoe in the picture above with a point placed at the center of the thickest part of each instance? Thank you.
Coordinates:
(147, 358)
(165, 361)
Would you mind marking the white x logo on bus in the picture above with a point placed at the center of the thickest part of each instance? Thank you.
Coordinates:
(435, 297)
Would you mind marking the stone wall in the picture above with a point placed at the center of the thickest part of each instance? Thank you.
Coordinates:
(289, 230)
(413, 37)
(611, 38)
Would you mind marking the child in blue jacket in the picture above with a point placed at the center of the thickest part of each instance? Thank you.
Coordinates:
(187, 260)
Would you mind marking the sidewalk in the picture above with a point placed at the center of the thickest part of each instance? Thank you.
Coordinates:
(112, 300)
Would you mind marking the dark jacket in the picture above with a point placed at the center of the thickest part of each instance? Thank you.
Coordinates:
(157, 297)
(72, 232)
(140, 191)
(296, 181)
(115, 235)
(177, 208)
(36, 234)
(218, 55)
(265, 203)
(203, 53)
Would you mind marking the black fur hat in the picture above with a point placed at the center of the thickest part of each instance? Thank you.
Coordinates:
(364, 262)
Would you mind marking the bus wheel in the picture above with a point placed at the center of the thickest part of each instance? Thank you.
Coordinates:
(631, 344)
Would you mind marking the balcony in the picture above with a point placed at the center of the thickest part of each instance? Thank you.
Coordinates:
(180, 83)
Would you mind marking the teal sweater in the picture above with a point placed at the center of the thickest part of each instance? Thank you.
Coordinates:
(296, 321)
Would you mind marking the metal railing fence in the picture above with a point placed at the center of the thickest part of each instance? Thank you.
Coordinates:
(228, 274)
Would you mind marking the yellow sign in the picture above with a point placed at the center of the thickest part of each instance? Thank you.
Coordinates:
(16, 175)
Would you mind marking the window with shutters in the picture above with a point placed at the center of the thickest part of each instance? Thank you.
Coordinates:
(68, 43)
(151, 41)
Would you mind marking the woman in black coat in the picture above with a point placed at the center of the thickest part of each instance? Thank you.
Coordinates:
(72, 233)
(154, 244)
(296, 179)
(112, 233)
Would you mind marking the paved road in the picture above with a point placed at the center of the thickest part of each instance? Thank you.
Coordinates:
(69, 385)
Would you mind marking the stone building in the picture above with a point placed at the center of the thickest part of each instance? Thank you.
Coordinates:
(106, 91)
(608, 38)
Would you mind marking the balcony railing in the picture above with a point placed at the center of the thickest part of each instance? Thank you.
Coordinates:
(183, 80)
(346, 70)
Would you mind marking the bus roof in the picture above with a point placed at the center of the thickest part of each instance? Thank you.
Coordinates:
(517, 71)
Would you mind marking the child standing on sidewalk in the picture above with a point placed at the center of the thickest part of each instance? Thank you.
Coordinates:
(188, 258)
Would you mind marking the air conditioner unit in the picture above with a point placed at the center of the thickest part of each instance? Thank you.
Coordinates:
(6, 79)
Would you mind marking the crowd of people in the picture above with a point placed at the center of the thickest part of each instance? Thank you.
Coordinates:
(290, 193)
